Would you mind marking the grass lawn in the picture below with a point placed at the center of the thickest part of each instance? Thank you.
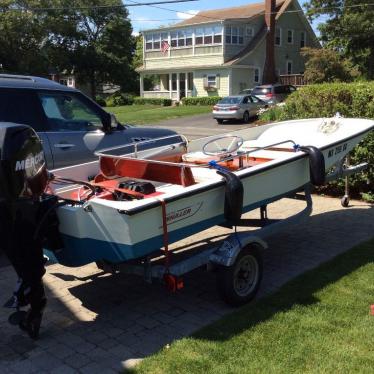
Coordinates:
(317, 323)
(149, 114)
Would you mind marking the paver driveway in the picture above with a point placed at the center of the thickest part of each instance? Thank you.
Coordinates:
(95, 322)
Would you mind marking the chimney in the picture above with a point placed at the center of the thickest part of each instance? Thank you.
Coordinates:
(269, 76)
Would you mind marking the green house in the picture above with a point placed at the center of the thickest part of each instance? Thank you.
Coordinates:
(222, 52)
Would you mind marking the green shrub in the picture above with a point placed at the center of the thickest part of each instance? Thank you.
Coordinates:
(324, 100)
(152, 101)
(119, 98)
(100, 100)
(204, 100)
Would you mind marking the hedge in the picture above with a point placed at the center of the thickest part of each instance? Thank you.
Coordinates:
(204, 100)
(152, 101)
(119, 98)
(100, 100)
(325, 100)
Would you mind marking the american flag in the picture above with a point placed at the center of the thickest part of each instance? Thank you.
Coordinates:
(164, 46)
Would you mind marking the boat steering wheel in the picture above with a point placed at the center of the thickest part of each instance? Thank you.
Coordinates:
(233, 142)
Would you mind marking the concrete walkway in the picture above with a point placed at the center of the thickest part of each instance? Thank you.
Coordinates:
(93, 323)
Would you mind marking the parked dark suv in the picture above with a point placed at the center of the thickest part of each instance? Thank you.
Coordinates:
(273, 93)
(71, 126)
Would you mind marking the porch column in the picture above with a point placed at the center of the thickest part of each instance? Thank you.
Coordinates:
(141, 81)
(178, 88)
(170, 86)
(186, 83)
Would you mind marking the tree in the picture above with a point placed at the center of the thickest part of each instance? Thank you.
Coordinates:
(90, 37)
(349, 29)
(326, 65)
(22, 35)
(94, 38)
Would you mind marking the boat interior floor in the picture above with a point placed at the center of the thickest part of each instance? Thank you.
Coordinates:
(131, 178)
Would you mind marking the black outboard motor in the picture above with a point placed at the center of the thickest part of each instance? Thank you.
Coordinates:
(23, 179)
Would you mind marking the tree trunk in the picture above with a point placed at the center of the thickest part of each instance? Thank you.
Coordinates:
(93, 85)
(371, 64)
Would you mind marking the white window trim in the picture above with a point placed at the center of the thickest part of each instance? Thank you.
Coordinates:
(280, 36)
(231, 35)
(292, 36)
(289, 61)
(211, 84)
(303, 33)
(254, 75)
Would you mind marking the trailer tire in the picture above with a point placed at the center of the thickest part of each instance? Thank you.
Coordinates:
(239, 283)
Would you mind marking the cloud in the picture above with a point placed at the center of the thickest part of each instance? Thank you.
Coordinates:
(187, 14)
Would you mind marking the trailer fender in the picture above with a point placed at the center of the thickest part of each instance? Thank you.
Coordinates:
(228, 251)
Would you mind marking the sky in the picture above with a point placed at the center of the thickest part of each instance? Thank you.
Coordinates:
(147, 17)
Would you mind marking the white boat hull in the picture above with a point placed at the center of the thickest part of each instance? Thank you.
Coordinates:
(111, 231)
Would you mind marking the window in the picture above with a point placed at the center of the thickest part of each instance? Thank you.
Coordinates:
(211, 80)
(174, 39)
(190, 81)
(289, 67)
(302, 39)
(149, 42)
(234, 35)
(153, 41)
(256, 75)
(208, 35)
(66, 112)
(290, 36)
(217, 35)
(254, 99)
(174, 78)
(199, 36)
(189, 34)
(21, 107)
(278, 36)
(249, 31)
(181, 38)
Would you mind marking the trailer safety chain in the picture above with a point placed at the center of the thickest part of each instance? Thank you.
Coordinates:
(165, 234)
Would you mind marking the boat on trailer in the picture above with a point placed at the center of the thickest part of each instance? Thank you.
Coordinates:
(137, 199)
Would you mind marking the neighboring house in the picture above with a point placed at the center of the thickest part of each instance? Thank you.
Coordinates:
(70, 80)
(221, 52)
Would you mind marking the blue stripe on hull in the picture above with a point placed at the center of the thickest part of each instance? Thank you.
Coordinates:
(83, 251)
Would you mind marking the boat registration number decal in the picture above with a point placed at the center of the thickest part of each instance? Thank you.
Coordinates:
(335, 151)
(183, 213)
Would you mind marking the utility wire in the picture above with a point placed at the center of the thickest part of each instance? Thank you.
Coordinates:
(93, 7)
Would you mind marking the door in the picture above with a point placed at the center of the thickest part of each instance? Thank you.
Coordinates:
(182, 86)
(256, 105)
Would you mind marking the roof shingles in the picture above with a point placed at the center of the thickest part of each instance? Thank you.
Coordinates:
(239, 12)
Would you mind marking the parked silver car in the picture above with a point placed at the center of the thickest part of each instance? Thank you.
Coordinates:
(71, 126)
(273, 93)
(237, 107)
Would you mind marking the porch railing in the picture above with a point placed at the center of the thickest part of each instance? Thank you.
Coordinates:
(293, 79)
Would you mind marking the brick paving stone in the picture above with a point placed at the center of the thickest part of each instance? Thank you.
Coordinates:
(77, 361)
(45, 361)
(63, 369)
(61, 351)
(94, 368)
(88, 324)
(148, 322)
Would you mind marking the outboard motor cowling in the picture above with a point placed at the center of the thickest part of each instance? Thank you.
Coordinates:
(23, 171)
(23, 179)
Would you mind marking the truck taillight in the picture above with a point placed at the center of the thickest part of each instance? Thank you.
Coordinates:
(269, 95)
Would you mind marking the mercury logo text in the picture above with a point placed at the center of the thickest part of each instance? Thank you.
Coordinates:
(30, 162)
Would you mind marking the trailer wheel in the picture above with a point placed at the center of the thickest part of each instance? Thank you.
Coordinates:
(239, 283)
